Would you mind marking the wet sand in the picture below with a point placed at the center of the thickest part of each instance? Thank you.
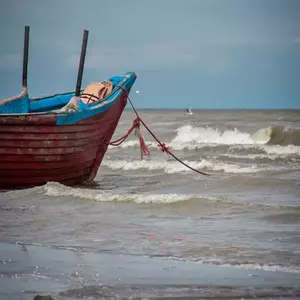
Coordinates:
(27, 270)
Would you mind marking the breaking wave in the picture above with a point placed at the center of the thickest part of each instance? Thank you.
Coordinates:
(281, 150)
(58, 190)
(172, 167)
(272, 135)
(278, 135)
(191, 138)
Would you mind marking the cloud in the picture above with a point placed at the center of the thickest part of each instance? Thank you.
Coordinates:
(140, 56)
(152, 57)
(297, 40)
(10, 62)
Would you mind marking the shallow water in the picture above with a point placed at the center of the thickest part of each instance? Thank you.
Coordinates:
(245, 215)
(73, 274)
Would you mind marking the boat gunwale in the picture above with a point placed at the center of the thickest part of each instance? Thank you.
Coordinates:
(21, 95)
(118, 91)
(53, 95)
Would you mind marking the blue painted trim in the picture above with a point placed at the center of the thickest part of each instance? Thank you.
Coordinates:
(15, 106)
(23, 105)
(86, 111)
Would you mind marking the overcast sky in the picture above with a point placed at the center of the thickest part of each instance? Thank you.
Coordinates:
(204, 54)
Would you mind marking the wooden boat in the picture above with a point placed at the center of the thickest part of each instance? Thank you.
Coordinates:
(63, 137)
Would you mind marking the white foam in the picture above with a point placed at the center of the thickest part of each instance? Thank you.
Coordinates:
(56, 189)
(281, 150)
(253, 156)
(188, 135)
(171, 167)
(191, 138)
(248, 266)
(270, 268)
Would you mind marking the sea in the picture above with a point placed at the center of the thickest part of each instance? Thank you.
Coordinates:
(152, 228)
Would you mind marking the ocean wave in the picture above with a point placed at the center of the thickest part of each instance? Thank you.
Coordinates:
(281, 150)
(172, 167)
(270, 268)
(251, 156)
(58, 190)
(271, 135)
(190, 138)
(188, 135)
(248, 266)
(277, 135)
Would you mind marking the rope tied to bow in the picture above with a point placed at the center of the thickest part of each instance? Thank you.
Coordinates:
(136, 125)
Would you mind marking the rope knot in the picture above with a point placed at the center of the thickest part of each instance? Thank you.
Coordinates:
(163, 147)
(136, 123)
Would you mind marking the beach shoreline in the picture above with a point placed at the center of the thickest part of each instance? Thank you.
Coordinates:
(28, 270)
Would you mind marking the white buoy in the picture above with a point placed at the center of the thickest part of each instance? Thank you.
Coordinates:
(137, 92)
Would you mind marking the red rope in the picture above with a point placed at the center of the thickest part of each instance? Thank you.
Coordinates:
(119, 141)
(144, 147)
(136, 125)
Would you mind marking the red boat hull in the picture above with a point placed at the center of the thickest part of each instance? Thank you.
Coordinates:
(34, 150)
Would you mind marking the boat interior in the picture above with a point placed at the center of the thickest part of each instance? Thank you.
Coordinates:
(91, 95)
